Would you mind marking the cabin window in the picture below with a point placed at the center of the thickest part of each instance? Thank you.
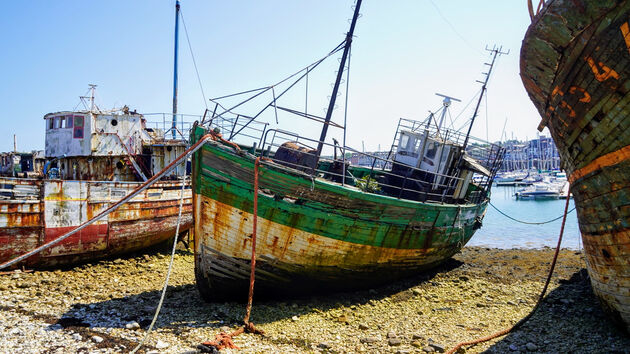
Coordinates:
(78, 127)
(57, 122)
(69, 121)
(404, 140)
(431, 150)
(50, 123)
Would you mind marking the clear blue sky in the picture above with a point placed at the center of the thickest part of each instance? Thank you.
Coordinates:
(403, 52)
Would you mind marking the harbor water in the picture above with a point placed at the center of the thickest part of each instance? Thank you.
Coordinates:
(498, 231)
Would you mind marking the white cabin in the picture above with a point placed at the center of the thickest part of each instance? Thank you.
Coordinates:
(87, 145)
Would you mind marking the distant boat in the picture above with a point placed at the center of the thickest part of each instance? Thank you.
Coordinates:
(325, 225)
(511, 179)
(94, 159)
(575, 66)
(539, 190)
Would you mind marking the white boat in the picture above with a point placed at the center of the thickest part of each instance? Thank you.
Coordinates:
(540, 190)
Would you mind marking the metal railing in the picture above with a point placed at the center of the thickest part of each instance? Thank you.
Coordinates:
(162, 124)
(384, 176)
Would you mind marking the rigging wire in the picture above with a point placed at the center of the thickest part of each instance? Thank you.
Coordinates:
(487, 136)
(345, 120)
(168, 272)
(464, 109)
(308, 68)
(453, 28)
(81, 101)
(193, 59)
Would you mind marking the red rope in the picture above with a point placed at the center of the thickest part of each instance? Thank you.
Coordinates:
(540, 298)
(224, 340)
(251, 274)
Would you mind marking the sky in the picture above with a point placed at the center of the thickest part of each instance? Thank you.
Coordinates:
(403, 52)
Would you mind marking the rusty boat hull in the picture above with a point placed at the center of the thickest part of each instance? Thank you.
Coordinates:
(33, 212)
(313, 235)
(575, 65)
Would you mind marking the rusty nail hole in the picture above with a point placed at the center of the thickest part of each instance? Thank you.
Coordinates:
(605, 253)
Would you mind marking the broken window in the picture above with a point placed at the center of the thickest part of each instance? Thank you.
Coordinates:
(69, 121)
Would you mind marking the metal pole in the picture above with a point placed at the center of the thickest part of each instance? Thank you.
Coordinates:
(333, 97)
(496, 52)
(174, 126)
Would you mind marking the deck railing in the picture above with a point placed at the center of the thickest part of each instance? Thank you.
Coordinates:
(417, 184)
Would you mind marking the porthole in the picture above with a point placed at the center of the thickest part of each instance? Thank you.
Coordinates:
(114, 122)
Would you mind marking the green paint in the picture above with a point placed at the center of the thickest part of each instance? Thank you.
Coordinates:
(350, 215)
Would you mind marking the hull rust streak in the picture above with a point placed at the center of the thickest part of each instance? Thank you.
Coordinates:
(54, 207)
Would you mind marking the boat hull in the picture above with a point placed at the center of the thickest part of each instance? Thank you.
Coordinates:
(575, 64)
(312, 235)
(34, 212)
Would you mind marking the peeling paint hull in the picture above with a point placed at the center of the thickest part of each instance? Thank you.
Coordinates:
(313, 235)
(33, 212)
(575, 65)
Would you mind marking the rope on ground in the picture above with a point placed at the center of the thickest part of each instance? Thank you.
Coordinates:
(116, 205)
(540, 298)
(533, 223)
(168, 273)
(224, 340)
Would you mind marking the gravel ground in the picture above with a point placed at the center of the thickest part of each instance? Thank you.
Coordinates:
(106, 307)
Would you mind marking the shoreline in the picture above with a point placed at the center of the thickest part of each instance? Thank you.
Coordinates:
(106, 307)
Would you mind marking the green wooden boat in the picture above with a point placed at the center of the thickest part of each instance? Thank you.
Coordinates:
(325, 224)
(575, 65)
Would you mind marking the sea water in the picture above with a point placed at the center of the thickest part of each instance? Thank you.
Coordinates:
(498, 231)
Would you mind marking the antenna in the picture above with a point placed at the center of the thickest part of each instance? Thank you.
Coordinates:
(495, 51)
(83, 99)
(446, 103)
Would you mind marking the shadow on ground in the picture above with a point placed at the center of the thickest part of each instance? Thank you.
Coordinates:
(183, 306)
(570, 320)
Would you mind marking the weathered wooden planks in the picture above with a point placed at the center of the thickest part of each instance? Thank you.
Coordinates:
(312, 234)
(575, 64)
(53, 207)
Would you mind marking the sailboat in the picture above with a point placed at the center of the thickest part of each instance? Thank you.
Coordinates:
(574, 65)
(323, 224)
(94, 158)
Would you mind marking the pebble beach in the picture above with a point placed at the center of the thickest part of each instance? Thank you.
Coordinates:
(107, 306)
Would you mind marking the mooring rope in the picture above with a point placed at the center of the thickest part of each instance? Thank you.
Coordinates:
(540, 298)
(533, 223)
(224, 340)
(116, 205)
(168, 273)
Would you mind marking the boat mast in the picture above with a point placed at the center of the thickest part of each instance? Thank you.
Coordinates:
(342, 64)
(174, 126)
(495, 51)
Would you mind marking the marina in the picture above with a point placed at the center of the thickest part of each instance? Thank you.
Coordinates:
(260, 224)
